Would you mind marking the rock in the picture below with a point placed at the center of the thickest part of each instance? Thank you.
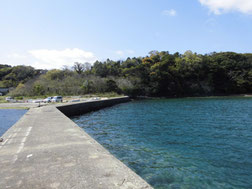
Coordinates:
(1, 139)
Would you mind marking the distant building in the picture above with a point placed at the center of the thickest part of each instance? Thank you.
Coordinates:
(4, 91)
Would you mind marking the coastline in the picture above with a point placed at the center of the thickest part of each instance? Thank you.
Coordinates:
(180, 97)
(27, 106)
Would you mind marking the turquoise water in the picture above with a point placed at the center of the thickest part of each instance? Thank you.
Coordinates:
(180, 143)
(8, 118)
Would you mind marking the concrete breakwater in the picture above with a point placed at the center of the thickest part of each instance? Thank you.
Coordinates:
(45, 149)
(79, 108)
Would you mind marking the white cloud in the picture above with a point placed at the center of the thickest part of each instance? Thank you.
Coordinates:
(48, 59)
(16, 56)
(170, 12)
(223, 6)
(15, 59)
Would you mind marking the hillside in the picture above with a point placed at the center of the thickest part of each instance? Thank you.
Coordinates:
(158, 74)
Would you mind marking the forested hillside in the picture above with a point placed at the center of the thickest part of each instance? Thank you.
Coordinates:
(159, 74)
(12, 76)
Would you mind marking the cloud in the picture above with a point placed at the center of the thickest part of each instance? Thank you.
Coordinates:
(224, 6)
(15, 59)
(170, 12)
(48, 59)
(16, 56)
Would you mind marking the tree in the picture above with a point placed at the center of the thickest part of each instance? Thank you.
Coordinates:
(88, 86)
(111, 86)
(38, 89)
(79, 67)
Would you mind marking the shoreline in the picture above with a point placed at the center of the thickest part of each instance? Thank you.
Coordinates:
(211, 96)
(27, 106)
(14, 108)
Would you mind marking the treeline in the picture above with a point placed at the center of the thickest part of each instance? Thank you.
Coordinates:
(12, 76)
(159, 74)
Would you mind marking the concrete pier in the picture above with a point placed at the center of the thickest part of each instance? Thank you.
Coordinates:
(45, 149)
(79, 108)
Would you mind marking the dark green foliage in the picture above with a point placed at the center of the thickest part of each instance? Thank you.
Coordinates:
(12, 76)
(191, 74)
(38, 89)
(111, 86)
(107, 68)
(159, 74)
(88, 86)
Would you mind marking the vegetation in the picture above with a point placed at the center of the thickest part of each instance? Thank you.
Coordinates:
(12, 76)
(2, 99)
(159, 74)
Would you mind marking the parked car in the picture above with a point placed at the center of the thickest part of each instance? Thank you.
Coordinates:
(9, 99)
(48, 99)
(37, 101)
(57, 99)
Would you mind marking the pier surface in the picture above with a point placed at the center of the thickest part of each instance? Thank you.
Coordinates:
(45, 149)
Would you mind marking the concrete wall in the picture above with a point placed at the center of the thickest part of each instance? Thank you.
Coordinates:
(80, 108)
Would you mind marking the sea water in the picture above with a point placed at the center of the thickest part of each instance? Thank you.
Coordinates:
(8, 117)
(179, 143)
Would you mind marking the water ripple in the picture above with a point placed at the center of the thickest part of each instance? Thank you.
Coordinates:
(180, 143)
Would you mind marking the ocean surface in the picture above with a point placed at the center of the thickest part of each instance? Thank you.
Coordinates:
(9, 117)
(190, 143)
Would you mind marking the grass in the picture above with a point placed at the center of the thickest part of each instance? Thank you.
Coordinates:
(16, 108)
(2, 99)
(109, 95)
(65, 98)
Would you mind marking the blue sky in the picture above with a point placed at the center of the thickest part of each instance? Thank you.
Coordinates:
(52, 33)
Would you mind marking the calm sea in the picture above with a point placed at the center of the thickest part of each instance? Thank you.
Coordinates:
(8, 118)
(180, 143)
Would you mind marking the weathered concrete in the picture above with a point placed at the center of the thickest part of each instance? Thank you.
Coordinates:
(72, 109)
(45, 149)
(18, 105)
